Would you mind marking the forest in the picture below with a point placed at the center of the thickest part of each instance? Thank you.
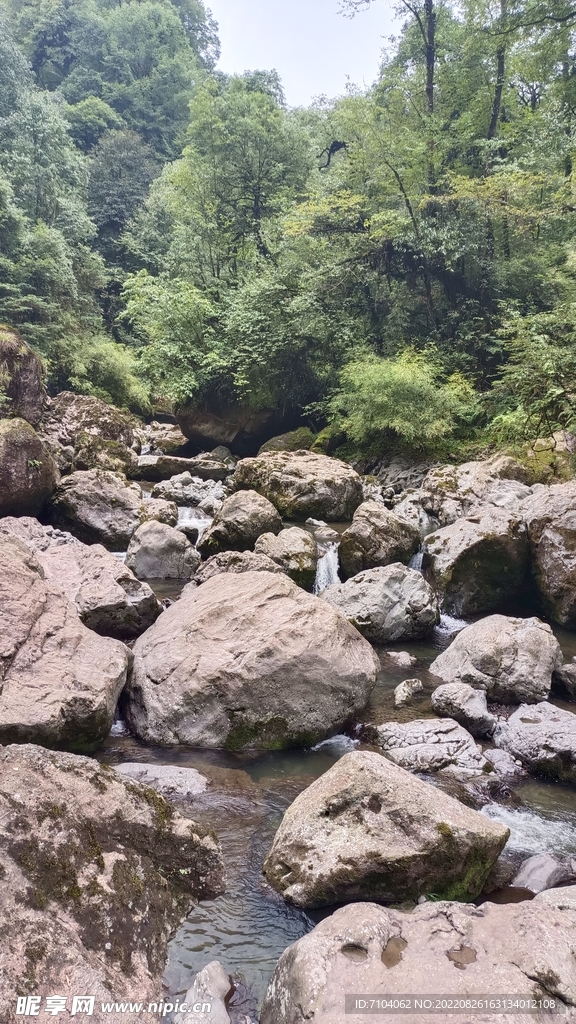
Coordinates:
(396, 266)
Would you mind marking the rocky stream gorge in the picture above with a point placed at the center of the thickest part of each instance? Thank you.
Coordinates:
(274, 732)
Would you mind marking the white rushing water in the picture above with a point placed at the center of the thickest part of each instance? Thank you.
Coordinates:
(416, 561)
(532, 833)
(194, 518)
(449, 625)
(337, 745)
(327, 568)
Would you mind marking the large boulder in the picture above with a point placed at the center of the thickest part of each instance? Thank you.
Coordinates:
(59, 681)
(466, 705)
(386, 604)
(83, 432)
(163, 467)
(479, 561)
(185, 489)
(21, 378)
(236, 561)
(248, 660)
(551, 520)
(28, 475)
(367, 829)
(458, 952)
(238, 523)
(158, 551)
(97, 507)
(512, 659)
(543, 738)
(302, 484)
(161, 438)
(298, 440)
(376, 537)
(108, 597)
(97, 871)
(222, 423)
(431, 745)
(158, 510)
(295, 551)
(449, 492)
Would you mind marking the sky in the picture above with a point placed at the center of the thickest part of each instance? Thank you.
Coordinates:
(312, 46)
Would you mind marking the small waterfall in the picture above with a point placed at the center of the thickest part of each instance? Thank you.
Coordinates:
(327, 568)
(192, 520)
(416, 560)
(449, 625)
(121, 555)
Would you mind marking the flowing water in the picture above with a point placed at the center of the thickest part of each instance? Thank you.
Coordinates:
(194, 519)
(249, 927)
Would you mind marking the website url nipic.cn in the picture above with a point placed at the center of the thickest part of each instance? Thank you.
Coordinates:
(83, 1006)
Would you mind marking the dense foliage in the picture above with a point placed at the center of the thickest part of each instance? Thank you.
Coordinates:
(399, 262)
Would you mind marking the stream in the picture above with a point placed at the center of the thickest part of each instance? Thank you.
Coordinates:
(249, 927)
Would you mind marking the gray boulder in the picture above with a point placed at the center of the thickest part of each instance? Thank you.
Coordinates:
(295, 551)
(298, 440)
(161, 438)
(405, 692)
(465, 705)
(376, 537)
(163, 467)
(386, 604)
(211, 988)
(83, 432)
(97, 871)
(157, 551)
(59, 681)
(21, 378)
(108, 597)
(551, 520)
(448, 492)
(185, 489)
(511, 659)
(543, 871)
(28, 474)
(98, 508)
(236, 561)
(368, 829)
(543, 738)
(160, 510)
(479, 561)
(248, 660)
(302, 484)
(242, 518)
(431, 745)
(457, 951)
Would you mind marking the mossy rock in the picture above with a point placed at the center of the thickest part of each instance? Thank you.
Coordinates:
(298, 440)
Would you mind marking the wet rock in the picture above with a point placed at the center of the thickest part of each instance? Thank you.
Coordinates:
(242, 518)
(504, 764)
(386, 604)
(404, 693)
(59, 681)
(236, 561)
(174, 783)
(295, 551)
(543, 871)
(97, 871)
(28, 475)
(543, 738)
(431, 745)
(157, 551)
(21, 378)
(108, 597)
(376, 537)
(160, 511)
(368, 829)
(564, 679)
(161, 467)
(211, 987)
(86, 433)
(97, 507)
(551, 520)
(401, 658)
(479, 561)
(511, 659)
(302, 484)
(185, 489)
(234, 663)
(456, 950)
(299, 440)
(465, 705)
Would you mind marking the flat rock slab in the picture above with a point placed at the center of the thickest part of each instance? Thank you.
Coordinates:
(161, 467)
(431, 745)
(446, 949)
(97, 871)
(368, 829)
(174, 783)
